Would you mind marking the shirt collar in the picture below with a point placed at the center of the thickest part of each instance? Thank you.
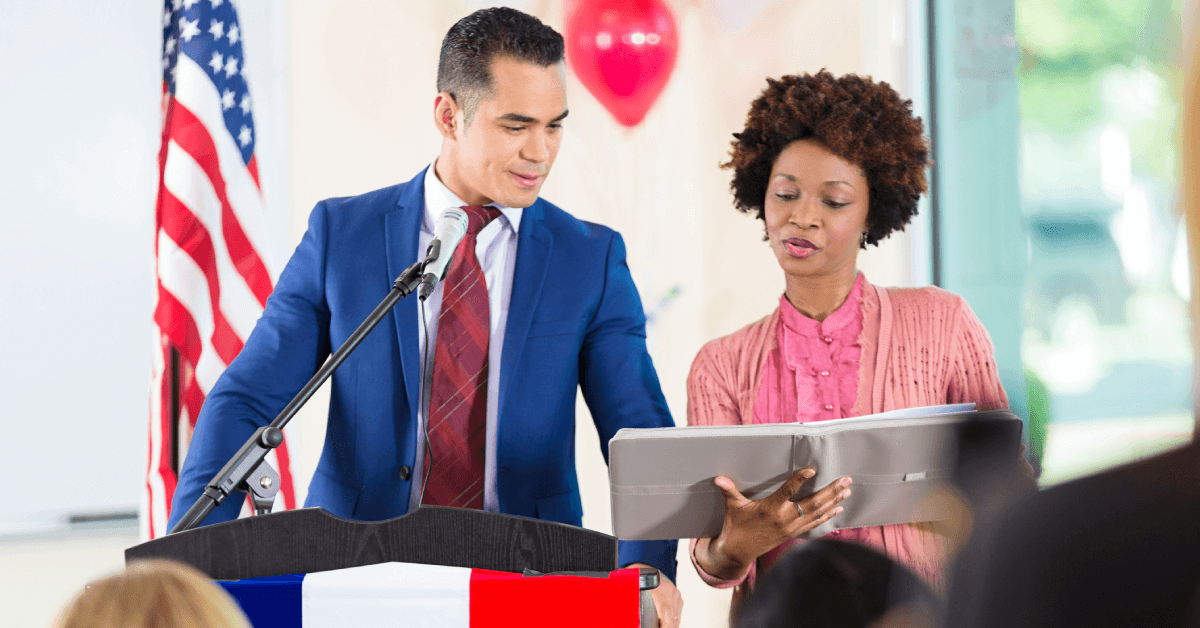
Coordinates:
(439, 198)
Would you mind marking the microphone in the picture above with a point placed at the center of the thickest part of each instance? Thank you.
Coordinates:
(449, 231)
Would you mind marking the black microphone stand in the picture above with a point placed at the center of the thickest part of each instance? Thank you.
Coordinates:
(248, 470)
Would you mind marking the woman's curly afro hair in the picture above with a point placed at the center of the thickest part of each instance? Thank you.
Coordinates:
(864, 122)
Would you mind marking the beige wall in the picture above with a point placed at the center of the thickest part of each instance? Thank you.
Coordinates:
(361, 77)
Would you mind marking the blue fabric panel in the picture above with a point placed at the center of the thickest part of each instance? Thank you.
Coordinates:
(271, 602)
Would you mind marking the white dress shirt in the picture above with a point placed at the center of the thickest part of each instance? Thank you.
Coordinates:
(496, 248)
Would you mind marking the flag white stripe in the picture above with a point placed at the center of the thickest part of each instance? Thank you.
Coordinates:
(186, 282)
(154, 506)
(196, 92)
(187, 181)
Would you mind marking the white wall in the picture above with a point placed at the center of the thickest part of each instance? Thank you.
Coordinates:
(81, 130)
(41, 572)
(80, 105)
(79, 135)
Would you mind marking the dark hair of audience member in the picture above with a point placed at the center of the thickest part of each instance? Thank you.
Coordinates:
(154, 594)
(465, 63)
(837, 584)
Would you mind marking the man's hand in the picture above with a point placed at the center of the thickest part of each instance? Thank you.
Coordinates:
(667, 600)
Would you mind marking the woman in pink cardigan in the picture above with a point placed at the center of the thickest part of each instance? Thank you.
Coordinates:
(831, 165)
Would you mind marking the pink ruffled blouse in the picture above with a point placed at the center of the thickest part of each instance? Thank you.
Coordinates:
(880, 350)
(812, 375)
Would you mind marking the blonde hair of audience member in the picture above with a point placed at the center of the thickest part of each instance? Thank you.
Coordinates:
(154, 594)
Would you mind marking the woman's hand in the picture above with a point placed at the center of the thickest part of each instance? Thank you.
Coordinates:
(753, 528)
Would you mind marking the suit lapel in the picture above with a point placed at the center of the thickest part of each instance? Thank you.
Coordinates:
(534, 243)
(402, 232)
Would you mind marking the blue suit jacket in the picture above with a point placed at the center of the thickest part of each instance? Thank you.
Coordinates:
(575, 320)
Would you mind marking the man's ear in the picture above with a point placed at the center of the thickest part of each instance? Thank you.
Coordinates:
(445, 115)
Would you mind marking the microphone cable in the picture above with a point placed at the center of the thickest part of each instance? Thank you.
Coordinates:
(421, 404)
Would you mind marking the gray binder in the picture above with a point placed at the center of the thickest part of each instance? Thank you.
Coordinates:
(661, 480)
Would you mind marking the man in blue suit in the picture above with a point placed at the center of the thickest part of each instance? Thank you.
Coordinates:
(563, 313)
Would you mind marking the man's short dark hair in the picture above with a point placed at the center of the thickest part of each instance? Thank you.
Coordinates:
(465, 64)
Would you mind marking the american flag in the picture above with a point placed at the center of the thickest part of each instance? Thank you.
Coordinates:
(210, 230)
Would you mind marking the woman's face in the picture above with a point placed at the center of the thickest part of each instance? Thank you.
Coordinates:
(816, 210)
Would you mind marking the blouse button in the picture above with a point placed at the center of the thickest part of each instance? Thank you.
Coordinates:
(825, 373)
(829, 406)
(827, 339)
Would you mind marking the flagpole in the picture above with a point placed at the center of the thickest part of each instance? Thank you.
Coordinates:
(174, 372)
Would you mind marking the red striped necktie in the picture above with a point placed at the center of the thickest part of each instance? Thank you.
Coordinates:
(458, 392)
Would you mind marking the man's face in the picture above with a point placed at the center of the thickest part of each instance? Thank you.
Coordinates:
(505, 153)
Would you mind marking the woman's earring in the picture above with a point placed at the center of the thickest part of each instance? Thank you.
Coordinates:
(862, 241)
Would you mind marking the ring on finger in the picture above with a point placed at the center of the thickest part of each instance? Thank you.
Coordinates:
(800, 509)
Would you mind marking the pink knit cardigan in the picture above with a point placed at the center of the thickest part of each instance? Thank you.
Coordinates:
(928, 348)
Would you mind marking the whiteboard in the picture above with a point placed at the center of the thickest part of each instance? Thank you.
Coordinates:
(78, 174)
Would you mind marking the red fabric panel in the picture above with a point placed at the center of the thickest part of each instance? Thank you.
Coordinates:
(506, 599)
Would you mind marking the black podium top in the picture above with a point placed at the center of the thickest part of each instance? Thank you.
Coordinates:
(311, 540)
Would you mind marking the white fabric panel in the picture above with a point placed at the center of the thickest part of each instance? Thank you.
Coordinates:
(388, 595)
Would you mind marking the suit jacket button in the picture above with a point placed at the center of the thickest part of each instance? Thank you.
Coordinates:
(405, 472)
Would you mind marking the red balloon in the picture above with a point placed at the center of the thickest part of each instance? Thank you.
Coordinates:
(623, 51)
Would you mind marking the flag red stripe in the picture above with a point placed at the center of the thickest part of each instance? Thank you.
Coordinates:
(186, 230)
(253, 168)
(178, 326)
(164, 471)
(158, 414)
(193, 137)
(192, 398)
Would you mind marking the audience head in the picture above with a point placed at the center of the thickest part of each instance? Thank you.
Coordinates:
(836, 584)
(154, 594)
(863, 122)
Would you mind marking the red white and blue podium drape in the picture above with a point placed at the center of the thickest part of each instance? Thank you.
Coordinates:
(419, 596)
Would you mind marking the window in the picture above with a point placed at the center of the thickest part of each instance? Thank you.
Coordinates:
(1105, 340)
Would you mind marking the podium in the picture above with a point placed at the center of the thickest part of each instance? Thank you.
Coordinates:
(311, 540)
